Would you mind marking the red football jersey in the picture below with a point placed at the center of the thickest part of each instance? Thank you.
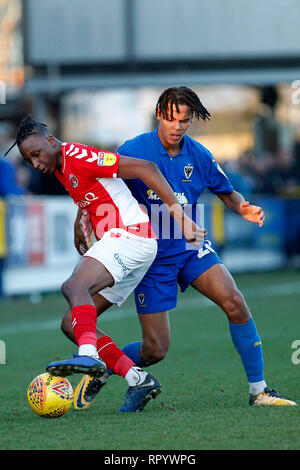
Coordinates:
(90, 176)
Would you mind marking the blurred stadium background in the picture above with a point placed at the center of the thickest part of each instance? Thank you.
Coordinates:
(93, 70)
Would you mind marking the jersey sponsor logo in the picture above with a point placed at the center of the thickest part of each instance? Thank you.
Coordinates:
(73, 181)
(106, 159)
(152, 196)
(188, 170)
(181, 197)
(88, 199)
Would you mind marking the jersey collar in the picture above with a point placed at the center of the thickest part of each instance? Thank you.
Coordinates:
(63, 151)
(162, 149)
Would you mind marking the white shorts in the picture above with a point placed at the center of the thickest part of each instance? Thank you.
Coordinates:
(127, 257)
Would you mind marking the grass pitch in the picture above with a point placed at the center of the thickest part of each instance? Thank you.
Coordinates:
(204, 399)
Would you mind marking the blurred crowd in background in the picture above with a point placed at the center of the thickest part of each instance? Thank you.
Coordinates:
(253, 133)
(270, 173)
(265, 173)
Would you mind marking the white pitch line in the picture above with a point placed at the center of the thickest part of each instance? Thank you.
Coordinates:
(279, 290)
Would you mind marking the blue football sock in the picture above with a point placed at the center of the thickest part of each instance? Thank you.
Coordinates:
(132, 350)
(248, 344)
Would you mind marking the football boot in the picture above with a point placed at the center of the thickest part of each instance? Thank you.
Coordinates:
(92, 366)
(270, 397)
(86, 391)
(138, 396)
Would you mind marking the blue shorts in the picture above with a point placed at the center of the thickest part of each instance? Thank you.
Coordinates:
(157, 291)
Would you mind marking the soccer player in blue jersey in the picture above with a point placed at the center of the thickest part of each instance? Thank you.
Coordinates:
(189, 168)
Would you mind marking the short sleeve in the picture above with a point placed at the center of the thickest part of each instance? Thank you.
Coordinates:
(92, 162)
(216, 179)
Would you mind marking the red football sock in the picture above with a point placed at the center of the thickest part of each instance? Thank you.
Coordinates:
(84, 320)
(113, 357)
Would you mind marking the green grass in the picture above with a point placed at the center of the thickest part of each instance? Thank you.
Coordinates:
(204, 403)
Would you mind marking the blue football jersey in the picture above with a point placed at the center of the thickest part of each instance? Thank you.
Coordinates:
(189, 174)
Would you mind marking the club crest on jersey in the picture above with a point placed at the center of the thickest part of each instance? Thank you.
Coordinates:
(141, 298)
(73, 181)
(188, 170)
(106, 159)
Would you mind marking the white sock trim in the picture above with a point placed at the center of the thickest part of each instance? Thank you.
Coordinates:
(257, 387)
(105, 346)
(135, 376)
(88, 350)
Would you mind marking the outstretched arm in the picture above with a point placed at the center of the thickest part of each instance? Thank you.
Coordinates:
(236, 202)
(149, 173)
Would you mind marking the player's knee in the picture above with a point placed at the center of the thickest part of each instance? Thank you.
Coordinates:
(69, 289)
(235, 307)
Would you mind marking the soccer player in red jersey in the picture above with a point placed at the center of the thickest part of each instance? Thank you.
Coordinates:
(125, 249)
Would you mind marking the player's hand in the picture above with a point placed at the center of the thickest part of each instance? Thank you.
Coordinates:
(252, 213)
(192, 232)
(82, 233)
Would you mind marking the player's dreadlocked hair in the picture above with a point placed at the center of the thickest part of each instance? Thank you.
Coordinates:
(180, 95)
(27, 127)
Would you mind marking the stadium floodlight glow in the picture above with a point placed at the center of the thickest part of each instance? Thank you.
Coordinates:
(2, 92)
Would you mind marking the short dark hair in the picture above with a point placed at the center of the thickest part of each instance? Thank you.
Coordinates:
(180, 95)
(27, 127)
